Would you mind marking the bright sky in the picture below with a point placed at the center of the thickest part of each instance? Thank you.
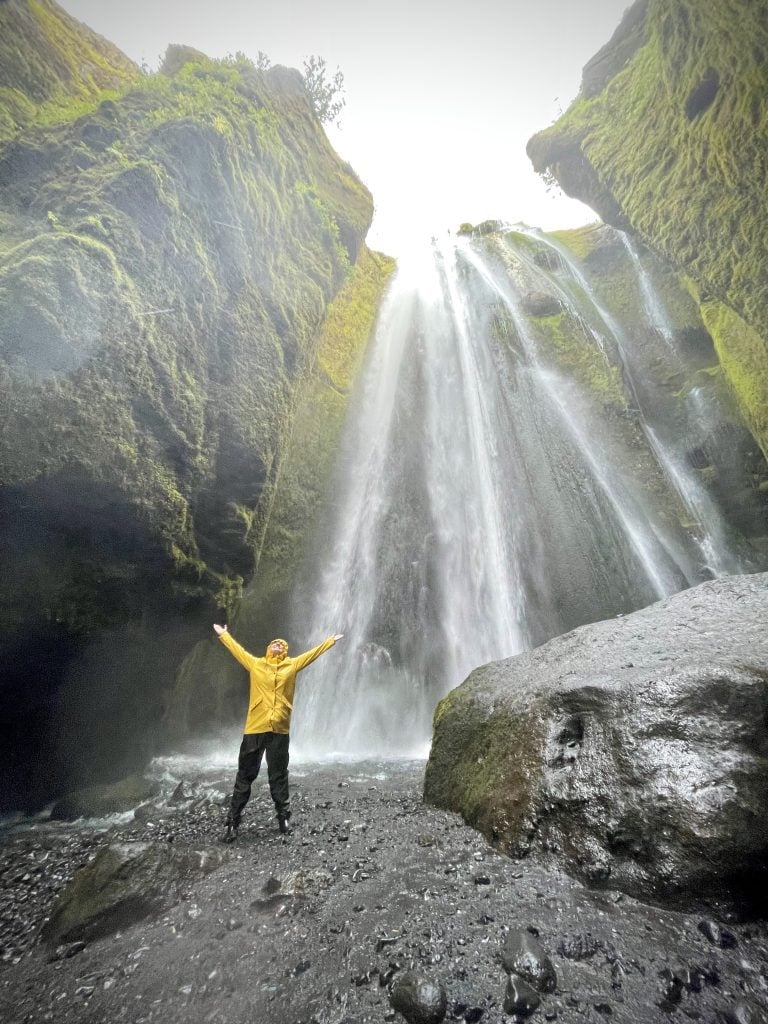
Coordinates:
(442, 95)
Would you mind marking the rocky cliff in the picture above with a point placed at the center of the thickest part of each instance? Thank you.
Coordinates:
(47, 59)
(167, 257)
(667, 140)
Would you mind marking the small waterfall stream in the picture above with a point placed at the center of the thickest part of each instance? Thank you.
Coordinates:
(720, 552)
(481, 505)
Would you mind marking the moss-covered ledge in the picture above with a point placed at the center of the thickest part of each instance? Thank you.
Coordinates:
(670, 142)
(311, 451)
(742, 354)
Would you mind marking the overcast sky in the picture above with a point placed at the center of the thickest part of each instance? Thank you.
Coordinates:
(441, 96)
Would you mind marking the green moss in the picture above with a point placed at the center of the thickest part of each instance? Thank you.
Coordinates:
(48, 58)
(743, 358)
(577, 353)
(16, 109)
(204, 162)
(522, 241)
(683, 165)
(163, 286)
(580, 241)
(485, 768)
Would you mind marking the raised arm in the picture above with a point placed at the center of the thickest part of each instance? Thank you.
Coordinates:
(302, 660)
(234, 648)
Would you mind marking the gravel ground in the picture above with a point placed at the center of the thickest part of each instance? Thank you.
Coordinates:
(315, 928)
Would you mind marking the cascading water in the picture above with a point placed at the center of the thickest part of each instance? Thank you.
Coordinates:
(420, 571)
(481, 505)
(721, 553)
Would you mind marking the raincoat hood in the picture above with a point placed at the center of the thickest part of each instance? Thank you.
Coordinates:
(276, 659)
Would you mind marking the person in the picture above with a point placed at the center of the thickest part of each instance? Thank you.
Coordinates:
(273, 679)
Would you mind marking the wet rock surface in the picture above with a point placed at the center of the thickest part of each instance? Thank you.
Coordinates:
(524, 956)
(98, 801)
(319, 927)
(419, 998)
(634, 750)
(520, 998)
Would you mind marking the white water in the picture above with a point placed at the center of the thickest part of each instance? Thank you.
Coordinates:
(477, 511)
(717, 557)
(654, 550)
(419, 574)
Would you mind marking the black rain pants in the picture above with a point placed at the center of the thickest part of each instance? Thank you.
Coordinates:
(252, 749)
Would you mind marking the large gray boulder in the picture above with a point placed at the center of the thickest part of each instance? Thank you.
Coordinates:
(634, 750)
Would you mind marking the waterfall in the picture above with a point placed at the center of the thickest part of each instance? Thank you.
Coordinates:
(480, 506)
(420, 508)
(720, 552)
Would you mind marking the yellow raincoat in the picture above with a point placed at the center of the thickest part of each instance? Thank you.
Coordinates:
(273, 681)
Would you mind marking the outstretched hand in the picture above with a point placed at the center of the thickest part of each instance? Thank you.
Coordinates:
(337, 636)
(219, 629)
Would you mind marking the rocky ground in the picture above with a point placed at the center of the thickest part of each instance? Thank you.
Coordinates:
(323, 926)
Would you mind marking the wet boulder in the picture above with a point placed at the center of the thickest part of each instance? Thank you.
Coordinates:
(634, 750)
(520, 998)
(523, 955)
(99, 801)
(421, 1000)
(123, 884)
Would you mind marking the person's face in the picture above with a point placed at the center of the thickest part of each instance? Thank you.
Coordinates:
(277, 648)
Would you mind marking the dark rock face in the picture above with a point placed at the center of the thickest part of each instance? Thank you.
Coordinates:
(634, 750)
(576, 176)
(125, 883)
(420, 999)
(703, 95)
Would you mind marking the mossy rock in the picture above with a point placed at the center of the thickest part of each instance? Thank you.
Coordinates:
(100, 801)
(123, 884)
(667, 139)
(573, 750)
(540, 304)
(58, 61)
(177, 56)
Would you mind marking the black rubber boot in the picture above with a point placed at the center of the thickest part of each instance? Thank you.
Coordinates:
(233, 824)
(282, 823)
